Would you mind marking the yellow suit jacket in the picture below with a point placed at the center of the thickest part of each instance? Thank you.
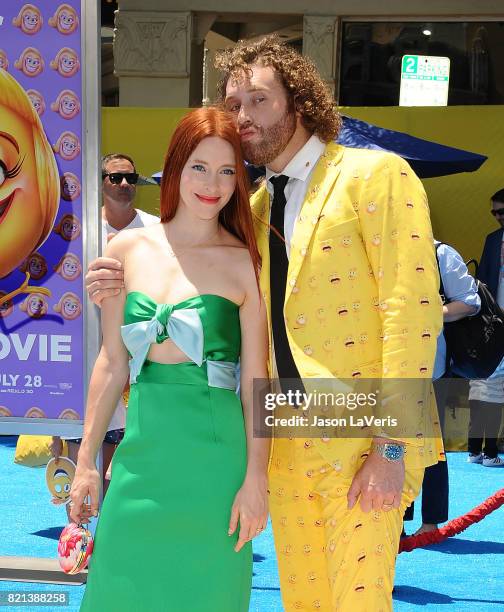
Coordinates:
(362, 295)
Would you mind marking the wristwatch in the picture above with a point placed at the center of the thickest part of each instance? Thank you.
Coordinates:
(389, 451)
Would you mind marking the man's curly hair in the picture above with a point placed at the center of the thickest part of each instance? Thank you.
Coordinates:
(308, 93)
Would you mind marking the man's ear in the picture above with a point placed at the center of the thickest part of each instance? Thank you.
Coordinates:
(299, 114)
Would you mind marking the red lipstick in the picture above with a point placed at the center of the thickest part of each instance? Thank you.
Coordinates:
(207, 199)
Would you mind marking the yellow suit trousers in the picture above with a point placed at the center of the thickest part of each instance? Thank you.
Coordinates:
(331, 558)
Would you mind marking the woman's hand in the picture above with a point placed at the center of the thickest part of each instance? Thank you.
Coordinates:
(56, 447)
(86, 484)
(250, 508)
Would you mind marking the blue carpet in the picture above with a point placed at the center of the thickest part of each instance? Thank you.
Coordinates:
(460, 575)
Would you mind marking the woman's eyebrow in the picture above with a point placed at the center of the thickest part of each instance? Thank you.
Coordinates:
(200, 161)
(11, 139)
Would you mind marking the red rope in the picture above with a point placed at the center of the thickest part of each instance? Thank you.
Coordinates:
(455, 526)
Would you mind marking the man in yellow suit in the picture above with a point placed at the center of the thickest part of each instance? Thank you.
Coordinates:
(350, 280)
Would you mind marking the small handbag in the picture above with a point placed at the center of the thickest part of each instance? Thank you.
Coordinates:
(74, 548)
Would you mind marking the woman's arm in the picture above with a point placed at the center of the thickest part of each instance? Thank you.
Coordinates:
(253, 365)
(107, 382)
(250, 505)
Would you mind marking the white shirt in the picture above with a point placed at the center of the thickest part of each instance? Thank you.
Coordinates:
(141, 219)
(299, 170)
(487, 390)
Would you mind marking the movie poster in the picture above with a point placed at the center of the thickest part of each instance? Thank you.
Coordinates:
(41, 212)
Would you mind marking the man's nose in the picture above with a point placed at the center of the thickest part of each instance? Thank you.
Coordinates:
(124, 182)
(243, 116)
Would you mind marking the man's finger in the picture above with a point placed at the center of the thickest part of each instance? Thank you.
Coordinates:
(366, 502)
(98, 296)
(105, 283)
(377, 501)
(105, 263)
(388, 503)
(353, 493)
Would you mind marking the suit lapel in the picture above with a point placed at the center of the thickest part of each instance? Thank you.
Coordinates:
(321, 184)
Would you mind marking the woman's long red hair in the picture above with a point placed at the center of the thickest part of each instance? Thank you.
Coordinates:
(236, 216)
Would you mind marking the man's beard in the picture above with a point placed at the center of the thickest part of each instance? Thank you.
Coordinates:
(274, 140)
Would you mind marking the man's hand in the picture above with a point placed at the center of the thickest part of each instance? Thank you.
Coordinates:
(379, 484)
(105, 278)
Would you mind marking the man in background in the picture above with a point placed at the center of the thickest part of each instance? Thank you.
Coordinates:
(486, 397)
(491, 267)
(119, 189)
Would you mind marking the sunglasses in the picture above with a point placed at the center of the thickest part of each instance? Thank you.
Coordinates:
(116, 178)
(499, 211)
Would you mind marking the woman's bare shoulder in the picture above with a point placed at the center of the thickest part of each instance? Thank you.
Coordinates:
(126, 240)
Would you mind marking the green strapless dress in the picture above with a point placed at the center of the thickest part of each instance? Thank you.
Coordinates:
(161, 542)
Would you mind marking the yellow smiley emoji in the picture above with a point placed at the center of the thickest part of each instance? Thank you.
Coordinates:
(59, 477)
(29, 181)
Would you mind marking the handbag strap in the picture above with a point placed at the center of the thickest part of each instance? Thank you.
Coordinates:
(441, 286)
(444, 299)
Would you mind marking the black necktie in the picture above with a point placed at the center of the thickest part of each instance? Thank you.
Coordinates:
(279, 265)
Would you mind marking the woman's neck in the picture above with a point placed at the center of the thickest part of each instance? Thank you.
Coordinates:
(185, 228)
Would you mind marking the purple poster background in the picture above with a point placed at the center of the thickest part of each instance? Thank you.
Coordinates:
(41, 342)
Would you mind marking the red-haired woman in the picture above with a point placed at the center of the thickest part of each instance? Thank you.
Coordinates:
(189, 486)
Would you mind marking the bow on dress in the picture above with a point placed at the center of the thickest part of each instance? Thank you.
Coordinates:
(183, 327)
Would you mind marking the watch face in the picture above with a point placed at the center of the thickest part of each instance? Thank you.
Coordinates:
(393, 452)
